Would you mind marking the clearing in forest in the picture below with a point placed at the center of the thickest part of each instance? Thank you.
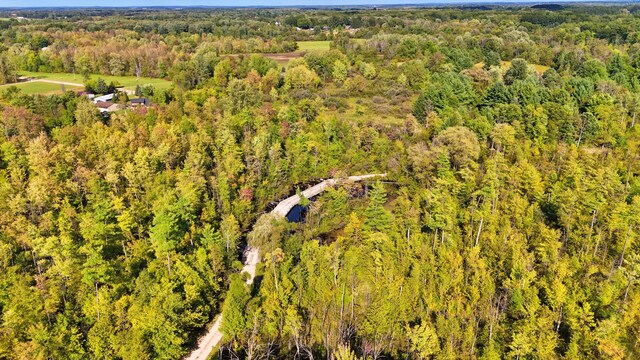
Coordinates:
(303, 47)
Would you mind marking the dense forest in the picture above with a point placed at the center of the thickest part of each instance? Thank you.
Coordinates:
(508, 225)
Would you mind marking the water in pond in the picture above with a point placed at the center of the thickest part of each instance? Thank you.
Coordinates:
(297, 214)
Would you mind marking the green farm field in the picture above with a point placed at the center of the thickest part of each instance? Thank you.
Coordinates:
(314, 45)
(129, 82)
(42, 88)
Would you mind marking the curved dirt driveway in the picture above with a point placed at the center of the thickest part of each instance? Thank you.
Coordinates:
(252, 257)
(129, 92)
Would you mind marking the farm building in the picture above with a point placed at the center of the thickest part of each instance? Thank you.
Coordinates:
(108, 106)
(102, 98)
(139, 102)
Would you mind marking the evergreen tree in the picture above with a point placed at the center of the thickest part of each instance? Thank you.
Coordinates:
(234, 320)
(377, 218)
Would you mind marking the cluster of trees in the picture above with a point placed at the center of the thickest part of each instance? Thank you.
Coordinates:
(507, 226)
(99, 86)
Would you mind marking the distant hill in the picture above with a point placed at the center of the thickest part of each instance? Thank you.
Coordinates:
(550, 7)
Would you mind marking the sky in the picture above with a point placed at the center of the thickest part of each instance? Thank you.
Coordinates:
(116, 3)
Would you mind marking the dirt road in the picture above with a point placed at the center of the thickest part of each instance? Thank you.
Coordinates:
(252, 257)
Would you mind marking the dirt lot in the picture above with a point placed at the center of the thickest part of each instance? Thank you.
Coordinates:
(281, 58)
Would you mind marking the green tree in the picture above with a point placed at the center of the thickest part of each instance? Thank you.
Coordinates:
(491, 59)
(592, 69)
(519, 70)
(377, 218)
(368, 70)
(461, 145)
(83, 65)
(8, 72)
(230, 230)
(222, 73)
(234, 321)
(339, 72)
(300, 77)
(101, 87)
(262, 64)
(165, 233)
(86, 113)
(242, 96)
(424, 340)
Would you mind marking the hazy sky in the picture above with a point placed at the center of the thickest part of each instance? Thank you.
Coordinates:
(28, 3)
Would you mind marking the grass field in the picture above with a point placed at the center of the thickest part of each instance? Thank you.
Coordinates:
(129, 82)
(314, 45)
(41, 88)
(540, 69)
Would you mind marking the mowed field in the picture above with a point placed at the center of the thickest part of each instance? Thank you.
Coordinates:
(314, 45)
(129, 82)
(42, 88)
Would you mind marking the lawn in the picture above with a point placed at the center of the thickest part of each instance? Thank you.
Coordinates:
(41, 88)
(129, 82)
(314, 45)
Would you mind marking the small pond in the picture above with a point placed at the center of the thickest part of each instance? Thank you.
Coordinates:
(297, 214)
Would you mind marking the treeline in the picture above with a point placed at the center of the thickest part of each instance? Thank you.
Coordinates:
(125, 54)
(130, 42)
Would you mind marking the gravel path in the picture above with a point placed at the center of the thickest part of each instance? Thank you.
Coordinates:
(252, 257)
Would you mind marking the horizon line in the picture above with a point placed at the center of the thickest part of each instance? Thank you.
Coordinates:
(300, 6)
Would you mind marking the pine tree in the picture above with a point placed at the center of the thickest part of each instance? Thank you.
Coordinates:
(377, 217)
(234, 321)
